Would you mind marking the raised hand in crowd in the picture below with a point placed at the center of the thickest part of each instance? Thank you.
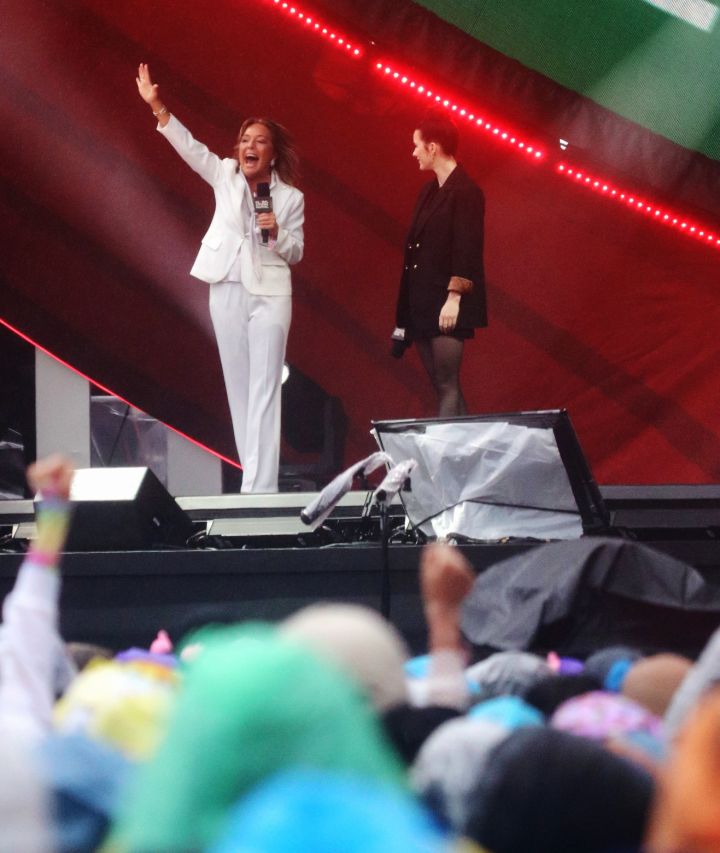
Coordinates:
(52, 476)
(446, 578)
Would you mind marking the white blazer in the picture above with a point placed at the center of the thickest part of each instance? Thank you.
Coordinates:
(265, 271)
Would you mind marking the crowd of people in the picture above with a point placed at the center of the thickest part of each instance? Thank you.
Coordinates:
(321, 733)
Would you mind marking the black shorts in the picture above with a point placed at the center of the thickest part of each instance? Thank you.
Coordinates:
(425, 335)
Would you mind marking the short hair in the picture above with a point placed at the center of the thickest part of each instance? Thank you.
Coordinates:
(287, 161)
(435, 126)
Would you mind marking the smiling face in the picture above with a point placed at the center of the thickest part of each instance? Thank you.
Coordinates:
(423, 153)
(255, 153)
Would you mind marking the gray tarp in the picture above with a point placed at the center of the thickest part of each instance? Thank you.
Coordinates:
(486, 481)
(513, 599)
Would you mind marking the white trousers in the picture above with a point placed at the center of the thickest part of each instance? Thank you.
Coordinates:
(251, 333)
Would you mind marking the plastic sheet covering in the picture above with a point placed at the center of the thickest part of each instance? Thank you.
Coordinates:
(511, 601)
(320, 507)
(484, 480)
(123, 436)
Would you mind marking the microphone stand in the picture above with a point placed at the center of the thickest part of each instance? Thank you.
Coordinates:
(398, 477)
(384, 510)
(383, 498)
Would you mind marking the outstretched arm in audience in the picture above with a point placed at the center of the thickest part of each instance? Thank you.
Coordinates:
(446, 578)
(30, 643)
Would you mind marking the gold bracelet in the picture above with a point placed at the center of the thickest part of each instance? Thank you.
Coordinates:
(160, 112)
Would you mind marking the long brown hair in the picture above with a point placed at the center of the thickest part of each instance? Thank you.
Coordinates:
(286, 160)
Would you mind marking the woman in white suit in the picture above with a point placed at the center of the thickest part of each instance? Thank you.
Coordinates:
(245, 259)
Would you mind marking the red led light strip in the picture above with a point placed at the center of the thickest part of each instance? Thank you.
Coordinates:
(632, 200)
(318, 27)
(502, 133)
(506, 135)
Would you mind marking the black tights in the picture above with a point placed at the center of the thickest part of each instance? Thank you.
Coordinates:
(441, 357)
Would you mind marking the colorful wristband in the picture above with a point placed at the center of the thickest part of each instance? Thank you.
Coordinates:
(41, 557)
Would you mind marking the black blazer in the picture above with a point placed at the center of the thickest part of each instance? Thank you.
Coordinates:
(445, 239)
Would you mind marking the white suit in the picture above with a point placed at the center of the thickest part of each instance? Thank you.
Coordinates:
(250, 290)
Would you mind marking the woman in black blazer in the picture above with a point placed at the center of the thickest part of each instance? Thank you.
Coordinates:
(442, 289)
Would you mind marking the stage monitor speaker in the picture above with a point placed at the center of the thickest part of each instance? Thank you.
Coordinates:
(492, 477)
(117, 509)
(665, 511)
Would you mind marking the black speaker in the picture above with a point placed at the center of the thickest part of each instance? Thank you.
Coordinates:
(124, 509)
(496, 476)
(672, 511)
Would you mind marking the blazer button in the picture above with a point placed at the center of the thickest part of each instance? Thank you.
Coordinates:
(409, 245)
(417, 245)
(407, 267)
(414, 266)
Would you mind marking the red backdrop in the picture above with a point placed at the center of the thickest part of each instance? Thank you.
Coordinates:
(591, 307)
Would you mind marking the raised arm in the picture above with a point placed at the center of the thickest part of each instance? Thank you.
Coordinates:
(30, 642)
(194, 153)
(149, 93)
(446, 578)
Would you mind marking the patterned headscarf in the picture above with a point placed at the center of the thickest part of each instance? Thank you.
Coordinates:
(599, 716)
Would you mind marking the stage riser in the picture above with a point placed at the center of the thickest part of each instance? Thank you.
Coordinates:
(121, 599)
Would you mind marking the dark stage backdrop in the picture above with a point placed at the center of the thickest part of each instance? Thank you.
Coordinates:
(591, 307)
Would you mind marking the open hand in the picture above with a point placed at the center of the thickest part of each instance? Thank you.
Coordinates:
(147, 89)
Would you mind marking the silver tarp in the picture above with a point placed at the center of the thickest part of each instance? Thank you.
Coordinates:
(484, 480)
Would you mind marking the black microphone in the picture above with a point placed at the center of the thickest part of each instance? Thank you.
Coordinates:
(263, 204)
(400, 342)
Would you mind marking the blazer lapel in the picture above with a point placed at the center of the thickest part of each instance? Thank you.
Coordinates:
(242, 198)
(424, 207)
(280, 195)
